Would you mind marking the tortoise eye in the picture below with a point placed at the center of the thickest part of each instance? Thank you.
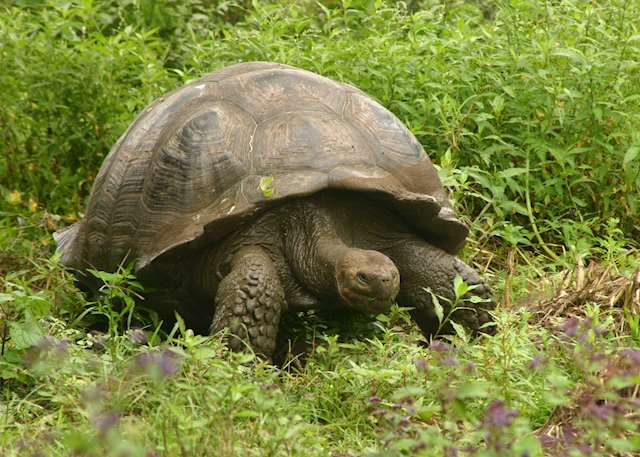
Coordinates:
(363, 278)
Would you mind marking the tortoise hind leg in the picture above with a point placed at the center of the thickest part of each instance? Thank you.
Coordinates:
(424, 267)
(249, 302)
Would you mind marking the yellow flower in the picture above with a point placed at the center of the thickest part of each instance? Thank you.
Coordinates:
(32, 205)
(14, 198)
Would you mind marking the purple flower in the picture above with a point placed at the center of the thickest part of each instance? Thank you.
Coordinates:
(420, 445)
(47, 349)
(569, 434)
(138, 336)
(164, 363)
(470, 367)
(404, 422)
(570, 326)
(585, 449)
(105, 422)
(439, 346)
(602, 412)
(145, 360)
(451, 452)
(421, 364)
(170, 363)
(374, 399)
(632, 355)
(548, 441)
(497, 416)
(267, 387)
(98, 339)
(408, 400)
(61, 348)
(536, 362)
(450, 361)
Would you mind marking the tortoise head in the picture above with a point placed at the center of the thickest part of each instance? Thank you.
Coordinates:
(367, 280)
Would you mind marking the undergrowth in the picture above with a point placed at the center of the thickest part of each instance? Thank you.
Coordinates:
(530, 111)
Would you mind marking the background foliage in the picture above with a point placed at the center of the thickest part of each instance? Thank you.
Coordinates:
(531, 110)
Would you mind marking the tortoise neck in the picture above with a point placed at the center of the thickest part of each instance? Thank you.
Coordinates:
(313, 248)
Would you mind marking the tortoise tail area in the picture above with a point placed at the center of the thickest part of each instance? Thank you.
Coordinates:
(67, 244)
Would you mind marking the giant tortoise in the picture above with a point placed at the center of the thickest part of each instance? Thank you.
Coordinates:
(263, 188)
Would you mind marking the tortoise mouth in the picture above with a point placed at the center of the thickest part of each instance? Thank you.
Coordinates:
(365, 302)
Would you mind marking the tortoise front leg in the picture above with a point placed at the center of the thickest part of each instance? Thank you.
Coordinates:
(424, 267)
(249, 302)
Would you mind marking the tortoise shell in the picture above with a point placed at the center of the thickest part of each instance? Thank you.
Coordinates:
(202, 160)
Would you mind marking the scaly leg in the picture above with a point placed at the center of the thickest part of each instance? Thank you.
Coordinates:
(249, 302)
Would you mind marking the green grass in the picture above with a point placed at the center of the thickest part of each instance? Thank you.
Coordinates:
(529, 109)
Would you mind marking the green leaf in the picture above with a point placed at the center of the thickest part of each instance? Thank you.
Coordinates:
(459, 329)
(620, 445)
(25, 334)
(473, 390)
(109, 278)
(460, 287)
(630, 155)
(572, 54)
(529, 444)
(4, 298)
(438, 309)
(509, 172)
(247, 413)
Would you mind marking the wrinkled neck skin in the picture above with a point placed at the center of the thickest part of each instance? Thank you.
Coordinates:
(313, 247)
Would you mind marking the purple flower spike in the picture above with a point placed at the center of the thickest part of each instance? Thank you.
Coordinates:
(421, 364)
(374, 399)
(105, 422)
(439, 346)
(470, 367)
(170, 363)
(138, 336)
(62, 347)
(537, 362)
(570, 326)
(450, 361)
(268, 387)
(404, 422)
(585, 449)
(498, 416)
(145, 360)
(165, 363)
(602, 412)
(632, 355)
(451, 452)
(419, 446)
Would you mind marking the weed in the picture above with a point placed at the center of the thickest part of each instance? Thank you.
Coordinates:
(529, 110)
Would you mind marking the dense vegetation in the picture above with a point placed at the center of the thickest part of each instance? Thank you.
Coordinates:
(531, 109)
